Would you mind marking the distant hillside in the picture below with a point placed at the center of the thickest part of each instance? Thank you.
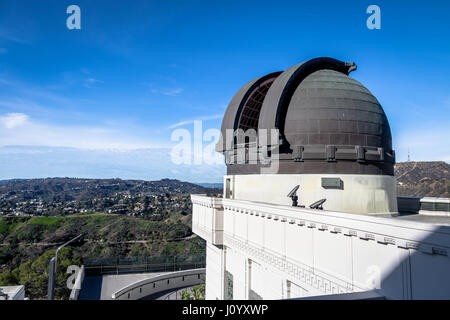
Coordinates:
(28, 243)
(62, 196)
(64, 189)
(423, 179)
(211, 185)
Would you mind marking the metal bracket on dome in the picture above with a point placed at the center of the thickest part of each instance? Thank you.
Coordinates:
(360, 154)
(297, 153)
(331, 153)
(351, 67)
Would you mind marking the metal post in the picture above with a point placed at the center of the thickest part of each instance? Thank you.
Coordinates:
(51, 280)
(53, 270)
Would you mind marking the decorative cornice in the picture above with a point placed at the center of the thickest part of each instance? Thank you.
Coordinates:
(380, 239)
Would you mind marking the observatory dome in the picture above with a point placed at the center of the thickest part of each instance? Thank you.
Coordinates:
(325, 122)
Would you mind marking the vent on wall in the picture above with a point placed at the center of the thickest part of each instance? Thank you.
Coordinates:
(332, 183)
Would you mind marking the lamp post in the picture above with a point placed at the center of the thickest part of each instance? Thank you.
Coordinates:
(53, 270)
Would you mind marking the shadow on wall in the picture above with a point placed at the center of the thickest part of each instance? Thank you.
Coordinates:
(422, 271)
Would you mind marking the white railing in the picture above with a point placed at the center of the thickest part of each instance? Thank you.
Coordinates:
(435, 206)
(161, 283)
(425, 206)
(74, 294)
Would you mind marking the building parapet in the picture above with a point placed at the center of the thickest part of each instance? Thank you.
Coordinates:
(435, 206)
(207, 218)
(333, 252)
(361, 226)
(329, 251)
(426, 206)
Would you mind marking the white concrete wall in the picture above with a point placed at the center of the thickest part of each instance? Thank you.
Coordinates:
(207, 218)
(266, 287)
(214, 288)
(329, 252)
(236, 264)
(295, 252)
(372, 194)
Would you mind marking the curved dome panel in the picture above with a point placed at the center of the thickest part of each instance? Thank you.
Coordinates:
(240, 100)
(324, 120)
(330, 108)
(277, 100)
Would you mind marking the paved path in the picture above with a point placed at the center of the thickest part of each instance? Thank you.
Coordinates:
(48, 244)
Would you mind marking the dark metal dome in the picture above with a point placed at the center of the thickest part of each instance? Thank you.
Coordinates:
(327, 122)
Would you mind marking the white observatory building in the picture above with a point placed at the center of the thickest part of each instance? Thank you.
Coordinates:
(310, 207)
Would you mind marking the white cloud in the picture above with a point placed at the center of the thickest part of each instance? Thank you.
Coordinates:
(13, 120)
(18, 129)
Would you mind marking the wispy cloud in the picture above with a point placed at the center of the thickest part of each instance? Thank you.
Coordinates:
(12, 120)
(18, 129)
(190, 121)
(90, 82)
(12, 38)
(4, 82)
(32, 91)
(149, 164)
(32, 99)
(173, 92)
(168, 92)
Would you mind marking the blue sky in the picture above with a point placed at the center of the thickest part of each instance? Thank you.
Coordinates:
(103, 101)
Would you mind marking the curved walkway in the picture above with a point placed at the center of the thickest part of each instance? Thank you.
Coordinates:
(160, 285)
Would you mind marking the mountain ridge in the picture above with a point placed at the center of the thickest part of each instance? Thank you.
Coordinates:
(423, 179)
